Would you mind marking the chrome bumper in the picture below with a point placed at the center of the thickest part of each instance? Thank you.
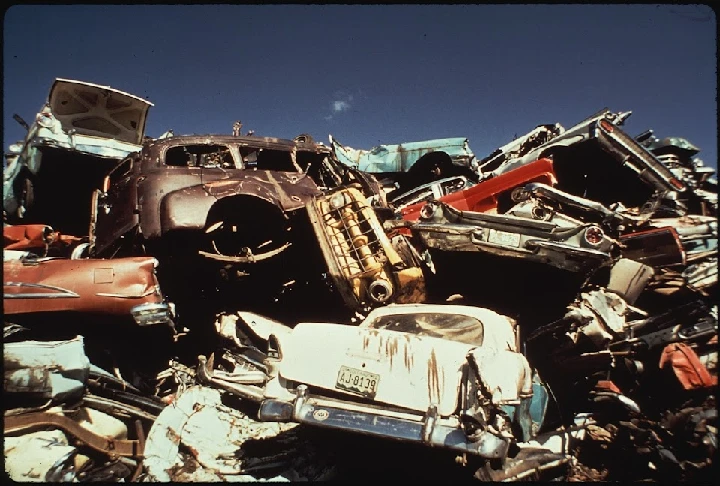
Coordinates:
(150, 314)
(427, 429)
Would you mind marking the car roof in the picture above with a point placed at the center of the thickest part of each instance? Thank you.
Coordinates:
(251, 141)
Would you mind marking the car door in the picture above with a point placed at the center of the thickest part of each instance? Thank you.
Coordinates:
(114, 207)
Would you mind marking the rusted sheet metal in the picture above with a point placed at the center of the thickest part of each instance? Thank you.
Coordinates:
(107, 445)
(175, 182)
(111, 287)
(46, 369)
(42, 456)
(287, 190)
(212, 433)
(364, 264)
(528, 231)
(38, 237)
(400, 157)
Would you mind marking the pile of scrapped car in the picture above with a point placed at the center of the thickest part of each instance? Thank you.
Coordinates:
(234, 307)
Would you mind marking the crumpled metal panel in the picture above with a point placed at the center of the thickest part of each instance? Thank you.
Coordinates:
(35, 237)
(39, 457)
(287, 190)
(602, 315)
(213, 432)
(52, 369)
(400, 157)
(506, 374)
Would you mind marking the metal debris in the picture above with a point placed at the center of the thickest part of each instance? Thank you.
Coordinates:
(313, 312)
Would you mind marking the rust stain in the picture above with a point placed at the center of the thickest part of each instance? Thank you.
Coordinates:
(433, 378)
(391, 348)
(408, 357)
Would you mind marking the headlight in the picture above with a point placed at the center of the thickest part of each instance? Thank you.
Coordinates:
(427, 211)
(594, 235)
(337, 201)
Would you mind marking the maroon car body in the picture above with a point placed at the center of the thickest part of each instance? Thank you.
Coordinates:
(196, 183)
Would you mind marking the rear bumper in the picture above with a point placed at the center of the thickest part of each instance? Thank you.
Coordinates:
(427, 429)
(152, 313)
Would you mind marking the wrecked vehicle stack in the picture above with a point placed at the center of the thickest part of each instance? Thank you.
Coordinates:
(305, 301)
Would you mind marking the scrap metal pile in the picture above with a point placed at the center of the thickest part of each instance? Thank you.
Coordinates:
(235, 307)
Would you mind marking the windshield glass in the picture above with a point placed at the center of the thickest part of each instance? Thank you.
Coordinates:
(456, 327)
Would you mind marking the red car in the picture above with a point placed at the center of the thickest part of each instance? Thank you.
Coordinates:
(488, 194)
(39, 238)
(118, 287)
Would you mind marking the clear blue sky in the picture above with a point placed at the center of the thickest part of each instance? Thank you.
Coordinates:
(372, 74)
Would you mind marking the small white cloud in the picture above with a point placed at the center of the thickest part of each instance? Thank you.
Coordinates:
(340, 105)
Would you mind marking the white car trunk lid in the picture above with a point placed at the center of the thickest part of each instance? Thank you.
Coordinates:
(396, 368)
(100, 111)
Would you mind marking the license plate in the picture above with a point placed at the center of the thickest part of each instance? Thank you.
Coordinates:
(504, 238)
(357, 381)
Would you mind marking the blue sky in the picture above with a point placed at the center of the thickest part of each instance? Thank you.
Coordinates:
(372, 74)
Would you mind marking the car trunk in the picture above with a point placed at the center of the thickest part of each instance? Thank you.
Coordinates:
(390, 367)
(98, 111)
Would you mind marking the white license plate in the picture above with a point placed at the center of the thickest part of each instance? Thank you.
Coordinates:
(357, 381)
(504, 238)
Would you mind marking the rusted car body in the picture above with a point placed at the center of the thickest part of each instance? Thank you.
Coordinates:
(84, 129)
(492, 195)
(442, 375)
(366, 266)
(192, 183)
(528, 231)
(402, 157)
(123, 287)
(227, 204)
(594, 159)
(411, 164)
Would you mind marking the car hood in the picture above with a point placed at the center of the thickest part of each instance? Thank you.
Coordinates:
(101, 111)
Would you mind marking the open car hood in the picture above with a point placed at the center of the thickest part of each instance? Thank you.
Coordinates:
(100, 111)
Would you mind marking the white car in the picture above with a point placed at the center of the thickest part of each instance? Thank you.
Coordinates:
(447, 376)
